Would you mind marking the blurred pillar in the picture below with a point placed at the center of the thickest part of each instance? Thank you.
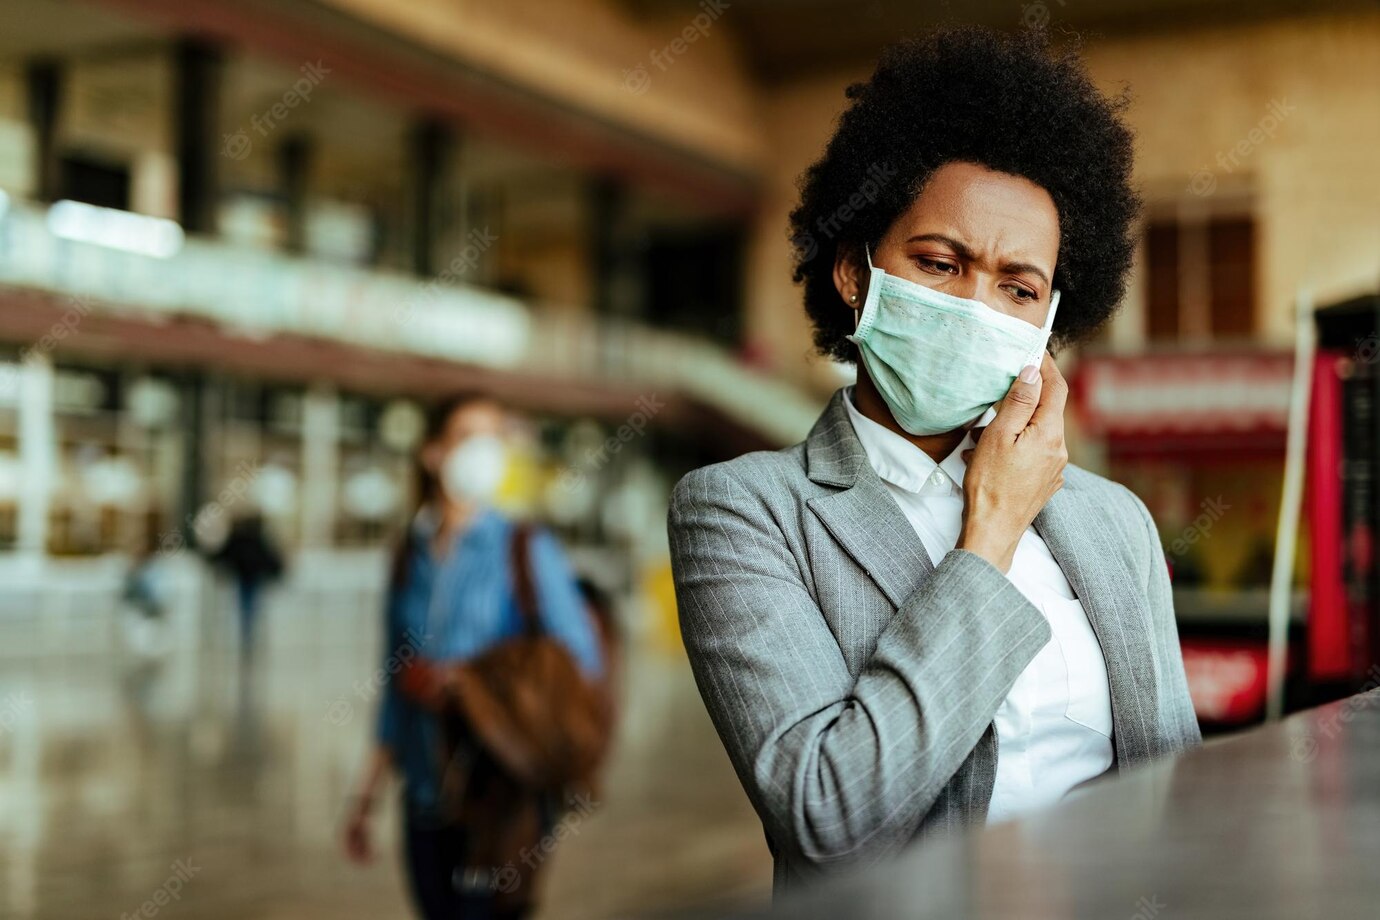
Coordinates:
(37, 452)
(193, 408)
(320, 466)
(294, 175)
(429, 146)
(616, 264)
(43, 85)
(481, 225)
(464, 220)
(196, 79)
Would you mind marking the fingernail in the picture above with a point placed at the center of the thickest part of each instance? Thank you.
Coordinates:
(1030, 373)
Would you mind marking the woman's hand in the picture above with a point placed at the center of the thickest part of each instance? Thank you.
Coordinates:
(359, 844)
(1017, 466)
(358, 836)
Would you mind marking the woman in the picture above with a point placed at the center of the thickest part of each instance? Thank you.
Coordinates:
(912, 621)
(452, 598)
(254, 562)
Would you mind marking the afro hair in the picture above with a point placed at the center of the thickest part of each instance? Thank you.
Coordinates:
(1006, 102)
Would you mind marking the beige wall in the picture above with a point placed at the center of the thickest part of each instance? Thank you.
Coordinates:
(113, 107)
(1314, 185)
(799, 119)
(598, 56)
(16, 141)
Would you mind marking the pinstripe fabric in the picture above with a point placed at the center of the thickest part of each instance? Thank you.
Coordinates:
(854, 683)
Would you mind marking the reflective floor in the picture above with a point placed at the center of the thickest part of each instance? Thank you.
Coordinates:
(186, 783)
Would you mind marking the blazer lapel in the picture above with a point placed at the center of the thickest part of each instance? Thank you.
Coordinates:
(863, 517)
(867, 522)
(873, 529)
(1081, 540)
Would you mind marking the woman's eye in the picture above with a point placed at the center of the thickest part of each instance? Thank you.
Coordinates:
(935, 265)
(1024, 295)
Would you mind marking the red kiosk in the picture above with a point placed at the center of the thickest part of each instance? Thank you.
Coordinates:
(1200, 437)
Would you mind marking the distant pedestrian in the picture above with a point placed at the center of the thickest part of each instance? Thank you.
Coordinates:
(252, 560)
(146, 598)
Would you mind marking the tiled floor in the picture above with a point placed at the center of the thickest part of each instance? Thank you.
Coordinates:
(212, 794)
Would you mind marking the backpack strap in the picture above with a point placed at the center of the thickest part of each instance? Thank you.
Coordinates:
(402, 558)
(523, 586)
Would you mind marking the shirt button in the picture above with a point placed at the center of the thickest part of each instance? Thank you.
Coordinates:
(937, 477)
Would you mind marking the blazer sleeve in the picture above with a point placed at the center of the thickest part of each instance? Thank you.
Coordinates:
(837, 768)
(1176, 705)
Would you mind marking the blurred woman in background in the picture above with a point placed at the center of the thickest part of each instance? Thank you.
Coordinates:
(452, 598)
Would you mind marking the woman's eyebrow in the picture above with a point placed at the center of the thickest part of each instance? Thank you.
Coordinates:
(963, 252)
(1025, 268)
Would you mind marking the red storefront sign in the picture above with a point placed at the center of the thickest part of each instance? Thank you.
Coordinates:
(1226, 679)
(1168, 403)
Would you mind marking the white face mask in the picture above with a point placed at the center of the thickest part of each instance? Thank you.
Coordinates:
(474, 468)
(941, 361)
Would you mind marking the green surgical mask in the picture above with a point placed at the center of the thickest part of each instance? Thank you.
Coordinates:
(940, 361)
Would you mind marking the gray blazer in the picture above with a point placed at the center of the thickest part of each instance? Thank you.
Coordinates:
(854, 683)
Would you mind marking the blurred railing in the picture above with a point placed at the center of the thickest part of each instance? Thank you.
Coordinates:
(143, 265)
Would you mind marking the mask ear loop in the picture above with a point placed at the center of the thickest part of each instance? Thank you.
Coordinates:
(858, 310)
(1038, 355)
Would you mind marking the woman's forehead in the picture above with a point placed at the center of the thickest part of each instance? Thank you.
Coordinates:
(479, 416)
(984, 208)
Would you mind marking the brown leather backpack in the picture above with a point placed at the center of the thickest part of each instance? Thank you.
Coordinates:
(524, 730)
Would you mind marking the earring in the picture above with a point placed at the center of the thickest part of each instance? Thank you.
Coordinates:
(852, 298)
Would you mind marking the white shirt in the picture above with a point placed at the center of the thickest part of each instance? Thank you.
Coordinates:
(1054, 729)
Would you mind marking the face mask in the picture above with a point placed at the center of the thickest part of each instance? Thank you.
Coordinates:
(940, 361)
(473, 470)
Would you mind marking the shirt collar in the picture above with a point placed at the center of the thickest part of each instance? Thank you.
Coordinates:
(900, 462)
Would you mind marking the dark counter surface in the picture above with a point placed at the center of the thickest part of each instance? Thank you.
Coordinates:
(1280, 822)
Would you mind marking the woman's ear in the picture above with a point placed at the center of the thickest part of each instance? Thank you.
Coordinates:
(849, 276)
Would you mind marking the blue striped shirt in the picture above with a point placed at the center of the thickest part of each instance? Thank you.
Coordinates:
(459, 606)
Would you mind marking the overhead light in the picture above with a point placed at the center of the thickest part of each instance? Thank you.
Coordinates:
(87, 223)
